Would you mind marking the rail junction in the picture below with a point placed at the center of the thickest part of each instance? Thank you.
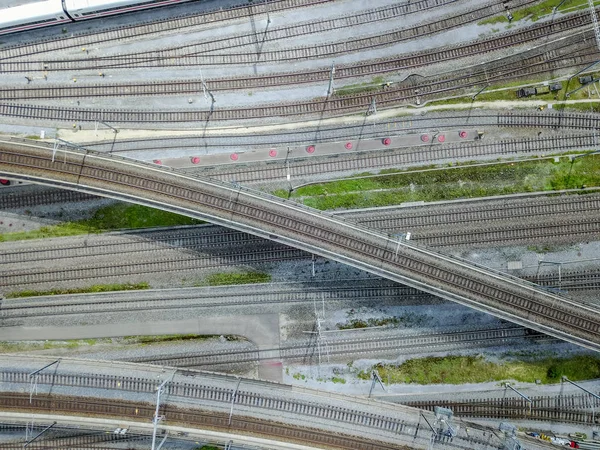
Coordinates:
(226, 100)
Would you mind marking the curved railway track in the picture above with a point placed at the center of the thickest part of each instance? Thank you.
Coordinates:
(174, 24)
(538, 61)
(200, 53)
(276, 219)
(254, 400)
(202, 419)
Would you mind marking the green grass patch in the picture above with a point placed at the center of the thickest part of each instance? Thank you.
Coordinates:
(360, 88)
(86, 290)
(371, 322)
(453, 183)
(27, 346)
(587, 107)
(475, 369)
(124, 215)
(534, 12)
(220, 279)
(338, 380)
(34, 137)
(112, 217)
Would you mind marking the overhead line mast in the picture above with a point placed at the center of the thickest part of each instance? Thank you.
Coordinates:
(595, 22)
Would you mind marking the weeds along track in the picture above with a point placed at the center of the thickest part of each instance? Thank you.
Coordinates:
(176, 25)
(202, 52)
(564, 408)
(319, 233)
(359, 347)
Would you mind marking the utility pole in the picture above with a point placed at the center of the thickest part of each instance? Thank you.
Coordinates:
(156, 419)
(33, 379)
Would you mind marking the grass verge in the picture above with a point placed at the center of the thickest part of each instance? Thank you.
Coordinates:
(360, 88)
(94, 288)
(112, 217)
(220, 279)
(534, 12)
(475, 369)
(452, 183)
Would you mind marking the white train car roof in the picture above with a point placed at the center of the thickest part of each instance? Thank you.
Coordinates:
(88, 6)
(31, 12)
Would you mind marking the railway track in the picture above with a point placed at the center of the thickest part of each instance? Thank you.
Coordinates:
(528, 220)
(359, 347)
(303, 171)
(538, 61)
(569, 280)
(253, 400)
(80, 439)
(214, 297)
(12, 279)
(131, 32)
(75, 263)
(201, 419)
(538, 208)
(276, 219)
(564, 409)
(561, 121)
(328, 107)
(203, 52)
